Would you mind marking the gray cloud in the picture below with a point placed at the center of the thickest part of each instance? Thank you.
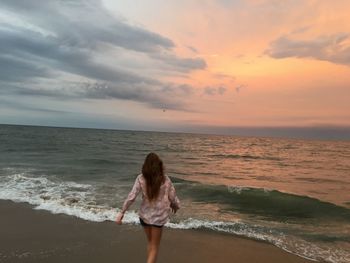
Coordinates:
(21, 106)
(226, 77)
(69, 38)
(180, 64)
(17, 70)
(239, 87)
(170, 96)
(32, 46)
(86, 24)
(301, 29)
(214, 90)
(333, 48)
(180, 90)
(193, 49)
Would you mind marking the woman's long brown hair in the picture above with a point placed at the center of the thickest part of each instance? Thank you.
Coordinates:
(153, 171)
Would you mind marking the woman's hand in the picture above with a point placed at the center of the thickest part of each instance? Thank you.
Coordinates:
(174, 208)
(119, 218)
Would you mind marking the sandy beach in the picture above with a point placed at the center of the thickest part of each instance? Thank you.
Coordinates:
(28, 235)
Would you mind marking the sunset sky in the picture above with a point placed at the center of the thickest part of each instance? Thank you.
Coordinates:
(185, 65)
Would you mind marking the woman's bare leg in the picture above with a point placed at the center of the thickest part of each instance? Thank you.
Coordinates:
(147, 230)
(154, 235)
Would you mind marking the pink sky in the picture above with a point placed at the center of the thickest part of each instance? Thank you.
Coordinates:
(304, 81)
(163, 65)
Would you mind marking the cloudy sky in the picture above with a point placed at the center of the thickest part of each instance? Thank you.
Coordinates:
(185, 65)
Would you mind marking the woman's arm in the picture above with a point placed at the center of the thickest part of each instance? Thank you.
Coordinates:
(174, 200)
(129, 200)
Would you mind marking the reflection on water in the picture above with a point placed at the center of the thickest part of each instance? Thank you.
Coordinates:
(290, 192)
(315, 168)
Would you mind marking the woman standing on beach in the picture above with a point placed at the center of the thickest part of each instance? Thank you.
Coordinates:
(158, 199)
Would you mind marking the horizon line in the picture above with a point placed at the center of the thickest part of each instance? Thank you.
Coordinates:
(229, 131)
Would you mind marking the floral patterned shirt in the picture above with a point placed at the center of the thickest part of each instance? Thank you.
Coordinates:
(154, 212)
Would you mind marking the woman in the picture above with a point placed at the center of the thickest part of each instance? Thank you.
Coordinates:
(158, 199)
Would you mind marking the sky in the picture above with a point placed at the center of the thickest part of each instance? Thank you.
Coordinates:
(209, 66)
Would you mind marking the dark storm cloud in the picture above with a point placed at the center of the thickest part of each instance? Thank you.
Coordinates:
(67, 37)
(332, 48)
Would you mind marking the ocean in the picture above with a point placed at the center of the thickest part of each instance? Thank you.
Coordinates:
(292, 193)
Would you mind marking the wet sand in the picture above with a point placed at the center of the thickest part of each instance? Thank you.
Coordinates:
(28, 235)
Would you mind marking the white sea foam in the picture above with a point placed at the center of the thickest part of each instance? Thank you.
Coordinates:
(238, 189)
(79, 200)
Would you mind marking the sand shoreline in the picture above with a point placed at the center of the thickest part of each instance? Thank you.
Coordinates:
(28, 235)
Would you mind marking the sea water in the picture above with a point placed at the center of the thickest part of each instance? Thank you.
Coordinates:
(293, 193)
